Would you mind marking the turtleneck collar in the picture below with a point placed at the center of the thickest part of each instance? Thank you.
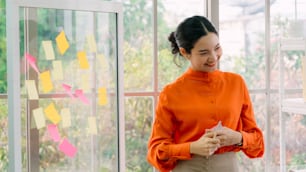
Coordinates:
(202, 76)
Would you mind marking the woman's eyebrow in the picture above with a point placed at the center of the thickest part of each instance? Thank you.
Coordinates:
(202, 51)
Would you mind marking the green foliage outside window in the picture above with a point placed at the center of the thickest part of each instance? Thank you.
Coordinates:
(3, 80)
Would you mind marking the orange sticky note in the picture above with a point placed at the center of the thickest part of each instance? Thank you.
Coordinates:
(48, 48)
(92, 43)
(62, 43)
(52, 114)
(57, 72)
(92, 125)
(83, 60)
(46, 82)
(39, 118)
(102, 94)
(31, 89)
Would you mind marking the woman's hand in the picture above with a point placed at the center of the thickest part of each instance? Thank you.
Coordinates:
(228, 136)
(206, 145)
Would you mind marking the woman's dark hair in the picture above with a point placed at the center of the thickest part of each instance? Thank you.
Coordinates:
(188, 32)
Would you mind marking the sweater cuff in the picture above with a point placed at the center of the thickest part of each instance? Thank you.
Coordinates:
(180, 151)
(246, 139)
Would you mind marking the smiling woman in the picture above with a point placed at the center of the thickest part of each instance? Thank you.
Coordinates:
(182, 137)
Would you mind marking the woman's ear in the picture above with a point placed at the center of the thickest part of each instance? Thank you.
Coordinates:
(184, 53)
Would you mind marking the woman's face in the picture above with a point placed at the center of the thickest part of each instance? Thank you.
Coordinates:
(205, 54)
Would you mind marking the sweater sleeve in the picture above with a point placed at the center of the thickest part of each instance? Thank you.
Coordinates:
(253, 142)
(163, 153)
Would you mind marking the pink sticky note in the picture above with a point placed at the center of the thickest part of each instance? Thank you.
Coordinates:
(67, 148)
(32, 61)
(53, 132)
(79, 93)
(67, 88)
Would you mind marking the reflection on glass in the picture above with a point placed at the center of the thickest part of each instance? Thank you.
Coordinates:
(76, 56)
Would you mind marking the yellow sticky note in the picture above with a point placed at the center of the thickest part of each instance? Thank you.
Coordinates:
(52, 114)
(66, 117)
(92, 125)
(39, 118)
(83, 60)
(62, 43)
(48, 48)
(46, 82)
(102, 94)
(57, 72)
(92, 43)
(31, 89)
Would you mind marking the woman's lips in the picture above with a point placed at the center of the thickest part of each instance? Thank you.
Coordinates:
(211, 65)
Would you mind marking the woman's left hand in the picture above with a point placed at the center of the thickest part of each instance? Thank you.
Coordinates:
(228, 136)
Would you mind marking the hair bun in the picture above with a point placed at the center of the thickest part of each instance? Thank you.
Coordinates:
(174, 46)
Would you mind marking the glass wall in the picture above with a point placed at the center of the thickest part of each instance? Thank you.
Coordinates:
(3, 92)
(69, 79)
(288, 21)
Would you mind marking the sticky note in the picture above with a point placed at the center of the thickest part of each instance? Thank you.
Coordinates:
(31, 89)
(48, 49)
(83, 60)
(39, 118)
(102, 94)
(68, 90)
(92, 43)
(79, 94)
(53, 132)
(32, 61)
(57, 72)
(52, 114)
(66, 117)
(46, 82)
(62, 43)
(67, 148)
(85, 83)
(92, 125)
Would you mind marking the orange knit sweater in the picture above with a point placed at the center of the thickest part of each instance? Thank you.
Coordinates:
(197, 101)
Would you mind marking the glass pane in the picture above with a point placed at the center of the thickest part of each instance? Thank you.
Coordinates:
(3, 135)
(138, 116)
(3, 80)
(242, 37)
(169, 16)
(69, 58)
(138, 45)
(291, 24)
(295, 144)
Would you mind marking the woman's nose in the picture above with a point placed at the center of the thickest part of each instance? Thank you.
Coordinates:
(213, 57)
